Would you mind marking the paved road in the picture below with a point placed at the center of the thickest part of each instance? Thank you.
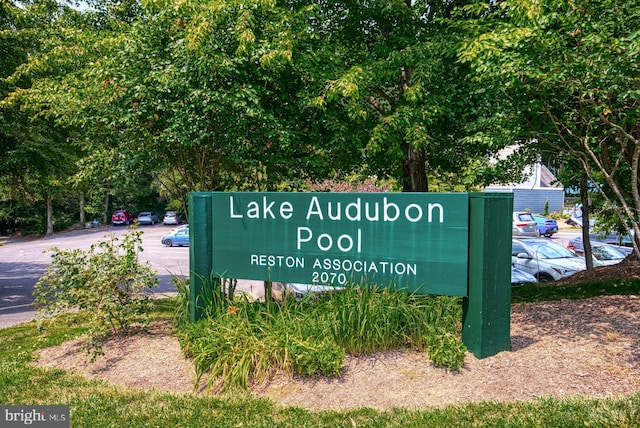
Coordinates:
(23, 262)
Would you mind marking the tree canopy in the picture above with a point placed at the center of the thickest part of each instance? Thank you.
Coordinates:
(570, 73)
(120, 100)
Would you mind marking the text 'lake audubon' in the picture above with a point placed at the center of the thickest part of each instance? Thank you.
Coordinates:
(337, 211)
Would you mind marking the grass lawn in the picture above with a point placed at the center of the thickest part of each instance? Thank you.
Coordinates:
(98, 404)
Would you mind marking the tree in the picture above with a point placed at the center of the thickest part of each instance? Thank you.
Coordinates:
(52, 91)
(570, 69)
(38, 156)
(398, 80)
(204, 95)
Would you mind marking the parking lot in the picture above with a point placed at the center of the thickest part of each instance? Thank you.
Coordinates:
(24, 261)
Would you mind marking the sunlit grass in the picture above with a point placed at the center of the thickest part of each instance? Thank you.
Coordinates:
(98, 404)
(541, 292)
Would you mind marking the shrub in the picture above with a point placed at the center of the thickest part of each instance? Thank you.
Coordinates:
(545, 212)
(250, 341)
(366, 319)
(107, 281)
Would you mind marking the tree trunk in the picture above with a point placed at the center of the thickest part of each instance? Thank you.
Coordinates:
(106, 219)
(586, 240)
(414, 166)
(49, 215)
(414, 170)
(82, 213)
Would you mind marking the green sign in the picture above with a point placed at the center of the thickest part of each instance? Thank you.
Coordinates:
(423, 242)
(417, 241)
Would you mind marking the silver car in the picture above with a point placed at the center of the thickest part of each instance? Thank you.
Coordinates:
(148, 217)
(545, 259)
(171, 217)
(577, 245)
(524, 224)
(299, 291)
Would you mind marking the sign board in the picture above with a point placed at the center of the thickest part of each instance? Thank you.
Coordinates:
(414, 241)
(440, 243)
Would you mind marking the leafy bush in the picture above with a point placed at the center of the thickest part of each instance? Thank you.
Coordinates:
(557, 215)
(107, 281)
(445, 349)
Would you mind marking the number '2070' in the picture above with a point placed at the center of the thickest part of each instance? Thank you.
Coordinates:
(329, 278)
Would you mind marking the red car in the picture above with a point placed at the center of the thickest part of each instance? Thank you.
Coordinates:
(122, 217)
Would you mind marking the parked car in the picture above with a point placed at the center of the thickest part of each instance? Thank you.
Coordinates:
(182, 226)
(299, 291)
(524, 224)
(623, 244)
(148, 217)
(177, 238)
(545, 259)
(171, 217)
(546, 226)
(122, 217)
(605, 254)
(519, 277)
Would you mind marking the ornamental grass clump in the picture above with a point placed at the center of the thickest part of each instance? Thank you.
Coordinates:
(249, 342)
(370, 319)
(242, 342)
(107, 281)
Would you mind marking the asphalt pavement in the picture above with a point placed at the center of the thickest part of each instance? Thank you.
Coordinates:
(24, 260)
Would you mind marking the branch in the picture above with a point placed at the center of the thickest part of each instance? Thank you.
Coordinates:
(635, 163)
(384, 95)
(373, 101)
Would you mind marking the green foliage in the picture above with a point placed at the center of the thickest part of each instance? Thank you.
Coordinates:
(242, 342)
(47, 45)
(243, 95)
(249, 341)
(180, 314)
(364, 320)
(18, 216)
(557, 215)
(107, 281)
(570, 85)
(204, 95)
(405, 100)
(445, 349)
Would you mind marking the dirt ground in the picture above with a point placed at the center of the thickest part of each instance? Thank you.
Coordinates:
(587, 347)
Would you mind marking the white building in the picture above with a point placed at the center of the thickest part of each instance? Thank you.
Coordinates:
(532, 194)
